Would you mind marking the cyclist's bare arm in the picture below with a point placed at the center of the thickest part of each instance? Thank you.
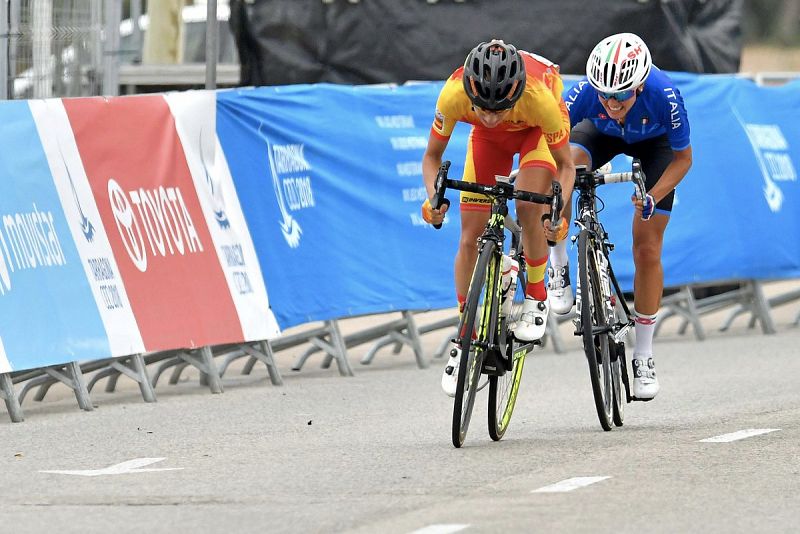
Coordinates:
(673, 174)
(431, 161)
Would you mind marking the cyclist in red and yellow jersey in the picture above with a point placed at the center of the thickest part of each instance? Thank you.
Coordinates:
(512, 99)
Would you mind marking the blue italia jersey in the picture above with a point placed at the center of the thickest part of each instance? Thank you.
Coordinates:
(658, 110)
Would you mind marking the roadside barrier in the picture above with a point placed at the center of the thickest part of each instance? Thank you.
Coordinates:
(177, 230)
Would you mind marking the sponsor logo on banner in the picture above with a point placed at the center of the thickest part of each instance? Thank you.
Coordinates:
(215, 189)
(195, 122)
(772, 152)
(155, 220)
(88, 233)
(150, 207)
(292, 184)
(87, 228)
(28, 241)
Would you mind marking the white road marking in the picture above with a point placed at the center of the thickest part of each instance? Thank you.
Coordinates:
(741, 434)
(569, 484)
(131, 466)
(440, 529)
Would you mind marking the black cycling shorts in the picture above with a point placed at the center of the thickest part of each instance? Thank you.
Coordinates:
(655, 154)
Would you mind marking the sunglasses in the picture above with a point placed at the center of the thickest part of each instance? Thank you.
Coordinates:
(620, 96)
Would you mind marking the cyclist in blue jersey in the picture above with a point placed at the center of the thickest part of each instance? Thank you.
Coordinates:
(626, 105)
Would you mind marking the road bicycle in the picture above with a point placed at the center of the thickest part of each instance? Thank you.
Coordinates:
(603, 317)
(485, 332)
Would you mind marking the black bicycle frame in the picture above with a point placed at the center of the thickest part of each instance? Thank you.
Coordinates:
(586, 183)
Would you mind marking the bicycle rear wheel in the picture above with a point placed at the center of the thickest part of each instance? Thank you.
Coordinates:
(594, 328)
(617, 374)
(474, 333)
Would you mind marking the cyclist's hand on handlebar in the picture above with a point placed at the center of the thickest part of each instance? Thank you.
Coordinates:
(644, 207)
(432, 216)
(558, 232)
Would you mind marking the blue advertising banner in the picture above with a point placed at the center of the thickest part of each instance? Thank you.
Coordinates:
(49, 315)
(331, 184)
(736, 208)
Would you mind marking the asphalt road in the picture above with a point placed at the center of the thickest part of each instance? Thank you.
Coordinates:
(372, 453)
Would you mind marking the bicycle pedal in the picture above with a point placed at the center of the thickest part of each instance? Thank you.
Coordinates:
(637, 399)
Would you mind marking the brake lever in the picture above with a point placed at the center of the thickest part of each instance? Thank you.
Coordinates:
(440, 187)
(638, 179)
(556, 205)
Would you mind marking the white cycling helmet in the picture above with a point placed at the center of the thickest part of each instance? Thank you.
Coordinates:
(618, 63)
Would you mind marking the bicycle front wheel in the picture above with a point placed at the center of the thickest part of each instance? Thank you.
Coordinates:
(594, 326)
(474, 332)
(503, 389)
(503, 394)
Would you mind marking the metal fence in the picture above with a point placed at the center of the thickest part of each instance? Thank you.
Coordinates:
(53, 47)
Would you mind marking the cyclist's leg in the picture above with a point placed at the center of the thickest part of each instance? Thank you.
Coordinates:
(485, 158)
(587, 146)
(648, 239)
(591, 148)
(537, 169)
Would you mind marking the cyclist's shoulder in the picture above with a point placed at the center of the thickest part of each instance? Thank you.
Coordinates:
(659, 87)
(453, 100)
(543, 88)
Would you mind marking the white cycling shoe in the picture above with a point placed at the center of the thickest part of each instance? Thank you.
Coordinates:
(645, 382)
(450, 373)
(533, 320)
(559, 289)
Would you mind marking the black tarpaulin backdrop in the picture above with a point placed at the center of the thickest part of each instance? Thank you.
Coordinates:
(373, 41)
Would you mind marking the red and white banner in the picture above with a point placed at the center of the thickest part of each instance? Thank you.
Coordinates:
(195, 120)
(156, 224)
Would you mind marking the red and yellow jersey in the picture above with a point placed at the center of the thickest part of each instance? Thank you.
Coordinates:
(541, 104)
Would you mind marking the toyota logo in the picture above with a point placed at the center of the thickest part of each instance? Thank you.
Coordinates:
(127, 225)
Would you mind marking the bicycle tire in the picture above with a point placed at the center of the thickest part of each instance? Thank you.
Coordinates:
(620, 395)
(503, 389)
(596, 346)
(476, 318)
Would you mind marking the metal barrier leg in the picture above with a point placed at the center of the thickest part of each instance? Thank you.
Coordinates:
(735, 312)
(684, 305)
(111, 385)
(8, 394)
(148, 393)
(69, 374)
(248, 367)
(444, 345)
(108, 371)
(405, 332)
(137, 372)
(692, 314)
(761, 307)
(340, 350)
(229, 359)
(265, 356)
(43, 389)
(370, 355)
(176, 373)
(416, 344)
(336, 349)
(207, 366)
(163, 367)
(78, 385)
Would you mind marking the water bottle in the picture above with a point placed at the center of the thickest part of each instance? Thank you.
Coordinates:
(508, 284)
